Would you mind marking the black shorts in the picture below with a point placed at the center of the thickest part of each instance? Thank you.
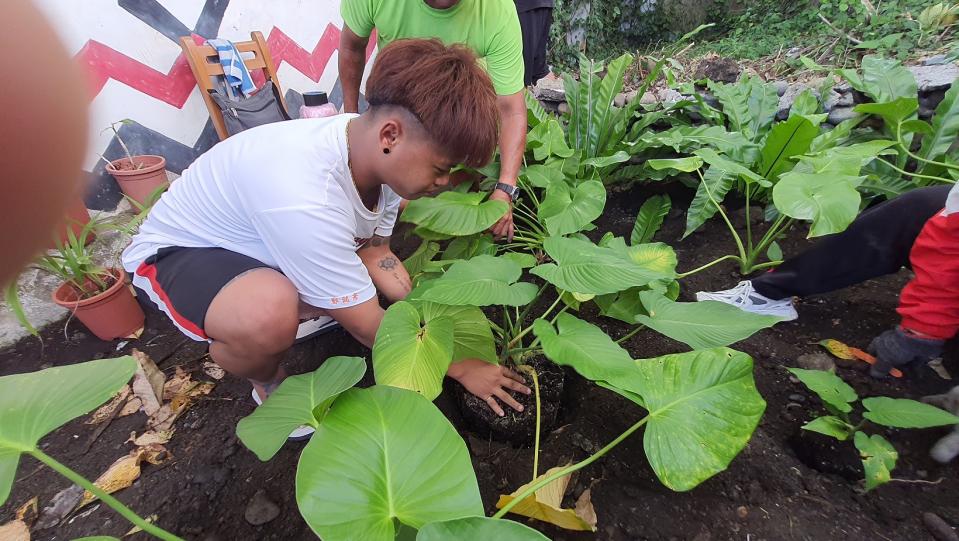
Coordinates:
(535, 24)
(182, 282)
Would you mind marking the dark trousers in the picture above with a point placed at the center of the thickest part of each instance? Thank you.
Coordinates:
(877, 243)
(535, 24)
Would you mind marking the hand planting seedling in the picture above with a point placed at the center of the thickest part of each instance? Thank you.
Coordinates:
(878, 455)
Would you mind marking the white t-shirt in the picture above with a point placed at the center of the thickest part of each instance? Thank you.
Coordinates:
(280, 193)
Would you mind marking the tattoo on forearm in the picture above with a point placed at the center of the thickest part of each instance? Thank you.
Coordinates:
(388, 263)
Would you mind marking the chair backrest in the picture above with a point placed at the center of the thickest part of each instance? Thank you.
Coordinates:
(205, 64)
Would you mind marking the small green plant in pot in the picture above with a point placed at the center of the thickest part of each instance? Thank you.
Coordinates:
(138, 176)
(98, 296)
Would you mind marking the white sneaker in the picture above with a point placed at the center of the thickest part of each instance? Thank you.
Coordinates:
(744, 297)
(299, 433)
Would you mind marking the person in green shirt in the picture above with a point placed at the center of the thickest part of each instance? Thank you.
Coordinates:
(489, 27)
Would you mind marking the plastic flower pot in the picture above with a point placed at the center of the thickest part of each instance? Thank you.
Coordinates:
(111, 314)
(139, 183)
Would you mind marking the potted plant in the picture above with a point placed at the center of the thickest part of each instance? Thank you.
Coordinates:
(138, 176)
(97, 295)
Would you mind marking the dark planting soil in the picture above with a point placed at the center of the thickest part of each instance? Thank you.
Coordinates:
(785, 484)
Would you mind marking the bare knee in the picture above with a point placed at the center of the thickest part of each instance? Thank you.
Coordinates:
(256, 312)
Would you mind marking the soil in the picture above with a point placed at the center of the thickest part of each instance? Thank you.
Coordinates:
(516, 427)
(784, 485)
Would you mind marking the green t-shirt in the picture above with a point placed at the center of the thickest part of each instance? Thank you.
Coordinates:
(489, 27)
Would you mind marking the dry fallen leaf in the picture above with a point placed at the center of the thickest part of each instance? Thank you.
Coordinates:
(136, 529)
(849, 353)
(105, 411)
(213, 370)
(164, 418)
(125, 470)
(28, 512)
(147, 382)
(15, 530)
(150, 438)
(177, 383)
(546, 505)
(132, 406)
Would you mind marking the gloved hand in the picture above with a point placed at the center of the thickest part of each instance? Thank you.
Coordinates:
(947, 448)
(898, 347)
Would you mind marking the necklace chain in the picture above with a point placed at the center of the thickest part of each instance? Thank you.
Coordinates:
(349, 164)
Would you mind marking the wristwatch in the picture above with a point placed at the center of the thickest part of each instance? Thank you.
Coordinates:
(511, 191)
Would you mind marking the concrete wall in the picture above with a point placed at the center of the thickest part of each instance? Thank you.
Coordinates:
(130, 52)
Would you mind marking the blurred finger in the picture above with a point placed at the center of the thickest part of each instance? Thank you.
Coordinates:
(508, 400)
(513, 375)
(494, 405)
(516, 386)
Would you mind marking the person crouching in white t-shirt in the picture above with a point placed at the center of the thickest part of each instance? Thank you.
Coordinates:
(292, 220)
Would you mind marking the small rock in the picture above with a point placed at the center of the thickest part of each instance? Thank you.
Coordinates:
(934, 60)
(620, 99)
(793, 379)
(550, 89)
(835, 99)
(563, 108)
(781, 87)
(797, 398)
(816, 361)
(793, 52)
(840, 114)
(742, 512)
(939, 528)
(668, 95)
(260, 510)
(931, 78)
(648, 98)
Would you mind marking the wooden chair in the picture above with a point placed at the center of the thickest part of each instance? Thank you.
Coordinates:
(205, 64)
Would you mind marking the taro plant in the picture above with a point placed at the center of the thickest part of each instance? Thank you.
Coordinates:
(878, 455)
(28, 413)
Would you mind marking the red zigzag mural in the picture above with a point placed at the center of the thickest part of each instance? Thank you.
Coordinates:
(103, 63)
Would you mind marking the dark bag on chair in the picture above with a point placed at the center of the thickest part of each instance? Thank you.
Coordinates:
(263, 107)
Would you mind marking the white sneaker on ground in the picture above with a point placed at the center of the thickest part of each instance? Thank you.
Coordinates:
(302, 432)
(744, 297)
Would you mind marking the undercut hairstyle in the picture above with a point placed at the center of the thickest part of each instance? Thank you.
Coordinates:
(445, 88)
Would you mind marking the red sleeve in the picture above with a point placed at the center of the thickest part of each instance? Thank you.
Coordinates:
(929, 304)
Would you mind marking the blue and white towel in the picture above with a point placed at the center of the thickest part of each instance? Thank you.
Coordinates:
(238, 80)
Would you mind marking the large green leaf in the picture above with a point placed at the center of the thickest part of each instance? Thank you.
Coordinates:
(735, 101)
(547, 139)
(655, 256)
(878, 458)
(892, 112)
(426, 252)
(726, 165)
(687, 164)
(454, 213)
(412, 355)
(786, 140)
(763, 105)
(605, 161)
(650, 218)
(602, 111)
(535, 112)
(567, 209)
(481, 281)
(886, 80)
(689, 138)
(710, 193)
(945, 127)
(703, 408)
(478, 529)
(472, 336)
(384, 455)
(583, 267)
(300, 400)
(822, 191)
(624, 306)
(585, 347)
(700, 325)
(829, 387)
(36, 403)
(905, 413)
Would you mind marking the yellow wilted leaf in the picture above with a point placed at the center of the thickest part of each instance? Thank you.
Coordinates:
(125, 470)
(28, 511)
(849, 353)
(546, 504)
(106, 410)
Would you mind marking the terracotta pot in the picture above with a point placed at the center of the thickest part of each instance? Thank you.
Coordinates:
(75, 218)
(111, 314)
(139, 183)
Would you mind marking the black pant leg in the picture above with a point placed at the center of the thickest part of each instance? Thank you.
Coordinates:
(877, 243)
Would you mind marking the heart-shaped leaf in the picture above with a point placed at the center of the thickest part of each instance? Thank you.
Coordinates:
(34, 404)
(583, 346)
(411, 355)
(455, 213)
(885, 79)
(828, 387)
(478, 529)
(425, 253)
(905, 413)
(384, 456)
(703, 408)
(300, 400)
(878, 458)
(830, 426)
(547, 139)
(892, 112)
(825, 196)
(583, 267)
(472, 337)
(700, 325)
(567, 209)
(481, 281)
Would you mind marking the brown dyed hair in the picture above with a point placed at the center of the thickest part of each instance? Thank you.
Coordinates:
(445, 89)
